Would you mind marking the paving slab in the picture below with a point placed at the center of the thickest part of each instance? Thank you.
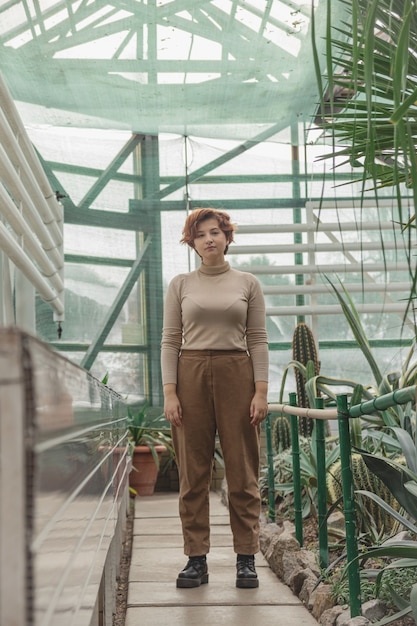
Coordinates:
(225, 615)
(157, 557)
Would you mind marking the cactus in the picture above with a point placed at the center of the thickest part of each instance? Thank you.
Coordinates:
(305, 352)
(363, 479)
(281, 431)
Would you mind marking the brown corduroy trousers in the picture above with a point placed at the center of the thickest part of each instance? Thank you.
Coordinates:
(215, 389)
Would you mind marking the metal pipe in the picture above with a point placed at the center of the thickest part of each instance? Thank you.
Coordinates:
(271, 475)
(26, 266)
(16, 124)
(366, 287)
(291, 409)
(291, 248)
(349, 507)
(314, 227)
(295, 445)
(18, 159)
(353, 203)
(380, 403)
(15, 219)
(320, 427)
(17, 189)
(333, 309)
(7, 316)
(351, 268)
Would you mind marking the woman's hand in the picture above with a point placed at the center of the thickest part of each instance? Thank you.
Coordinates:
(172, 406)
(259, 404)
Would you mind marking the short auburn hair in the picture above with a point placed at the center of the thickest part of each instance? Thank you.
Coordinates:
(197, 216)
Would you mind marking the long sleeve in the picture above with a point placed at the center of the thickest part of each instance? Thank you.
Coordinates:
(256, 336)
(214, 309)
(172, 333)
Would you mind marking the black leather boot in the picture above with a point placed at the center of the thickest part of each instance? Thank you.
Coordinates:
(194, 573)
(247, 577)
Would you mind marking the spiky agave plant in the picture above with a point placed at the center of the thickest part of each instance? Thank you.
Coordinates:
(372, 517)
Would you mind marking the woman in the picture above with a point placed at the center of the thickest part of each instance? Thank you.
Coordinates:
(215, 375)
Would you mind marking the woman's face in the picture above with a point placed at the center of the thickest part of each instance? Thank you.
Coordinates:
(210, 242)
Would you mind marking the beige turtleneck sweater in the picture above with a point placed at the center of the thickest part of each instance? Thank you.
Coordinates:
(214, 308)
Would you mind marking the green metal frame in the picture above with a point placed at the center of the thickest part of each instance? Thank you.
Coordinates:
(320, 432)
(344, 415)
(116, 307)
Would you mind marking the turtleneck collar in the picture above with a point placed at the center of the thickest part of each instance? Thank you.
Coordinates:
(213, 270)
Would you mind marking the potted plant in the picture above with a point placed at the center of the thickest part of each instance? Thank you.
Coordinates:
(149, 437)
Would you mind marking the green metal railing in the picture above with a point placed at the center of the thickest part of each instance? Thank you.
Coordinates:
(342, 414)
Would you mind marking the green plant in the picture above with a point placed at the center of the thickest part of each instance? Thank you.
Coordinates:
(281, 433)
(283, 472)
(374, 50)
(304, 351)
(149, 430)
(371, 60)
(372, 521)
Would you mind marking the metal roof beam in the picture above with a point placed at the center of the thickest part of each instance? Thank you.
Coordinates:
(116, 307)
(109, 172)
(224, 158)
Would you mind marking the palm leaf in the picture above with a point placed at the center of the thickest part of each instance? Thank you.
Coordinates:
(373, 54)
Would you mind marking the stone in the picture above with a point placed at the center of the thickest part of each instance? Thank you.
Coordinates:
(294, 562)
(267, 532)
(374, 610)
(280, 545)
(310, 581)
(297, 579)
(321, 600)
(345, 619)
(329, 617)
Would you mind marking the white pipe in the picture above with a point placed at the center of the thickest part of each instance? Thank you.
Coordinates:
(326, 269)
(321, 414)
(323, 288)
(335, 309)
(61, 293)
(11, 213)
(16, 156)
(354, 203)
(7, 292)
(13, 117)
(294, 248)
(17, 189)
(313, 227)
(24, 302)
(22, 261)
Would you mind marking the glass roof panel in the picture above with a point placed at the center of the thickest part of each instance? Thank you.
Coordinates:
(208, 68)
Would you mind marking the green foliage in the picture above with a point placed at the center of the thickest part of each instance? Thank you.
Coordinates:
(373, 124)
(148, 430)
(371, 519)
(283, 472)
(281, 433)
(394, 586)
(304, 351)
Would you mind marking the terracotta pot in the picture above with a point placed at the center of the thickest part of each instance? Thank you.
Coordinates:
(144, 472)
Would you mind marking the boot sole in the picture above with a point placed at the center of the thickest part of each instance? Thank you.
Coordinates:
(247, 583)
(189, 583)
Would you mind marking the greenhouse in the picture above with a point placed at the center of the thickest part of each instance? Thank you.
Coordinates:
(118, 119)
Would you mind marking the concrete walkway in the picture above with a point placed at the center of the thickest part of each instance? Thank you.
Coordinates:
(157, 557)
